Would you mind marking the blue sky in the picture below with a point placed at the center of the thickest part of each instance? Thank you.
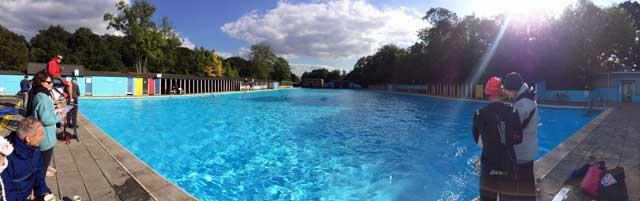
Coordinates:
(309, 33)
(201, 23)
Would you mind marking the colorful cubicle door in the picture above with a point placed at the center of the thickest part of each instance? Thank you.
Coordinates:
(130, 84)
(150, 88)
(157, 86)
(88, 88)
(138, 86)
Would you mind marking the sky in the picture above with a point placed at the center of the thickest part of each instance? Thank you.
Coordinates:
(310, 34)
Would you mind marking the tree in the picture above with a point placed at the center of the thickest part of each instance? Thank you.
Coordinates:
(169, 48)
(281, 70)
(186, 62)
(263, 60)
(49, 42)
(214, 70)
(88, 48)
(13, 51)
(229, 70)
(242, 66)
(141, 32)
(294, 78)
(203, 61)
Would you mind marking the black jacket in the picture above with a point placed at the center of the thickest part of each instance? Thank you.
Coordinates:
(498, 126)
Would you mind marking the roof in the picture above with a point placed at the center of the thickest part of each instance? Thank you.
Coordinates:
(33, 68)
(67, 69)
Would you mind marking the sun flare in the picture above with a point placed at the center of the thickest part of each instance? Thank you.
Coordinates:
(522, 7)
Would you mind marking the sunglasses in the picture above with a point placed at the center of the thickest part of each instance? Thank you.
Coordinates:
(48, 82)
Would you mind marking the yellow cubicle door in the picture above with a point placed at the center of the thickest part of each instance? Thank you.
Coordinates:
(138, 86)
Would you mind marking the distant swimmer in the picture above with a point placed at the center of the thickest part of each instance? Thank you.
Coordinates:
(324, 99)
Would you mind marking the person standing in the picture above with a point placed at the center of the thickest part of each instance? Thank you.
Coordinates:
(496, 129)
(54, 70)
(71, 120)
(41, 107)
(524, 98)
(25, 86)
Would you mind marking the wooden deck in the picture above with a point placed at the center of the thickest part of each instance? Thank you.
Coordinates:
(613, 137)
(98, 168)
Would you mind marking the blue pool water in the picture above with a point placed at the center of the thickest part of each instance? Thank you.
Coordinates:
(309, 144)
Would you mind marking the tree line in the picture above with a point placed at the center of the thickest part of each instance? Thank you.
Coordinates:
(565, 50)
(141, 47)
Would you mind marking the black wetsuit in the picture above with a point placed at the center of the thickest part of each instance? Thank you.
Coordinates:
(499, 128)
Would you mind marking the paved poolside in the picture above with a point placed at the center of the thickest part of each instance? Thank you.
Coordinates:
(613, 137)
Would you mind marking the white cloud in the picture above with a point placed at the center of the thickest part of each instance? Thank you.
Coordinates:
(224, 54)
(26, 17)
(298, 69)
(328, 30)
(186, 42)
(242, 52)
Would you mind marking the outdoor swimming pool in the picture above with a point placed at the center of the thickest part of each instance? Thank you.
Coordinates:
(310, 144)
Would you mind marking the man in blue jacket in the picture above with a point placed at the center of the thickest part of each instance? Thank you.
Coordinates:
(24, 171)
(25, 86)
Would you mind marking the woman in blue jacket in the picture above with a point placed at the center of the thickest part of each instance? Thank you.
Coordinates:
(42, 108)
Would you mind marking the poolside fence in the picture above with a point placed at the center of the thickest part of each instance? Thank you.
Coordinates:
(454, 90)
(144, 84)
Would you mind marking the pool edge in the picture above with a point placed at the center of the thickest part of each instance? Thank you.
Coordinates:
(177, 96)
(158, 187)
(484, 101)
(546, 163)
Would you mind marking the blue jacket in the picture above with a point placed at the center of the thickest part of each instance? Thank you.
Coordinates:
(25, 85)
(24, 172)
(45, 111)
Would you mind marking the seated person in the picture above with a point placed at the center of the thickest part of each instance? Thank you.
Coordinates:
(24, 172)
(54, 70)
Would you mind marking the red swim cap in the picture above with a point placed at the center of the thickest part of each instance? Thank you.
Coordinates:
(493, 87)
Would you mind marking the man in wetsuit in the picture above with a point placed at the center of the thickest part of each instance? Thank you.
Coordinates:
(496, 129)
(54, 70)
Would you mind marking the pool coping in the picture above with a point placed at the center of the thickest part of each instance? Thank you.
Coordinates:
(181, 96)
(158, 187)
(546, 163)
(484, 101)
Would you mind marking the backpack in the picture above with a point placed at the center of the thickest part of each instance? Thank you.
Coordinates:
(613, 187)
(590, 184)
(531, 95)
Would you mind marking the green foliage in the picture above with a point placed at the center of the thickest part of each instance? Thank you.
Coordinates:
(144, 47)
(323, 73)
(294, 78)
(566, 51)
(49, 42)
(142, 34)
(13, 51)
(263, 60)
(281, 70)
(242, 66)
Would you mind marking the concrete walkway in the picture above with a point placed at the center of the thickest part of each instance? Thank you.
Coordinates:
(613, 137)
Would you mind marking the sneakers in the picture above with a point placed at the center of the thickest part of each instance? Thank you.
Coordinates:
(50, 173)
